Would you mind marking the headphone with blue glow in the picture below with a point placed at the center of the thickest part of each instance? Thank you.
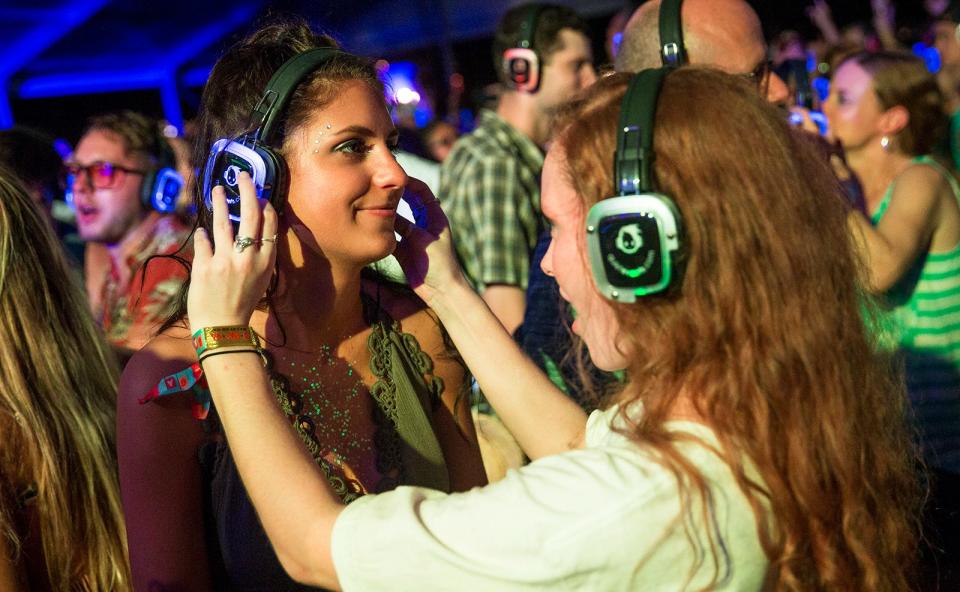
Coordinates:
(633, 238)
(161, 185)
(521, 64)
(251, 152)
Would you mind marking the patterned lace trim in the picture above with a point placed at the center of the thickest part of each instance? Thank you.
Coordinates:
(384, 392)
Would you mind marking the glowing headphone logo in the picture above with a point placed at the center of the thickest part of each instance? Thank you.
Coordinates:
(629, 239)
(231, 175)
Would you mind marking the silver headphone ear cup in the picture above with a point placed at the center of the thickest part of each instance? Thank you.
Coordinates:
(631, 245)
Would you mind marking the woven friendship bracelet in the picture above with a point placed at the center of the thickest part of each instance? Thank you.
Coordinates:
(209, 338)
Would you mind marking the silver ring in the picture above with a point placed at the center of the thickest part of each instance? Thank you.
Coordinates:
(242, 242)
(268, 239)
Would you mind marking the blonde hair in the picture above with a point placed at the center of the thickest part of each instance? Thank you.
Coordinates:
(57, 401)
(765, 332)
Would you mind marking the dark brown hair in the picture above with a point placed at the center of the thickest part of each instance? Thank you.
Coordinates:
(236, 84)
(546, 35)
(140, 135)
(764, 334)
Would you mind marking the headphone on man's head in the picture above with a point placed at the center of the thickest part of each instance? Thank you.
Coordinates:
(672, 50)
(162, 185)
(251, 152)
(521, 64)
(632, 238)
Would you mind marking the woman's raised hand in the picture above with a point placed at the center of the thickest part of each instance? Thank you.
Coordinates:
(229, 277)
(426, 252)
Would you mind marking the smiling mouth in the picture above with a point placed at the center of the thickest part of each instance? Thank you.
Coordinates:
(384, 211)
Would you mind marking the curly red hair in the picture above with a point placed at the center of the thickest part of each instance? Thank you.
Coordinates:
(765, 332)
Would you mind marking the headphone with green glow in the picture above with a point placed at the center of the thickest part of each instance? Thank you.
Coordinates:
(633, 238)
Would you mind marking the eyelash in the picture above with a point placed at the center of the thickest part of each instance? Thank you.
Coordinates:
(354, 147)
(357, 147)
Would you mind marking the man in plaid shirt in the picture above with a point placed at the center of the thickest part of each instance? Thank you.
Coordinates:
(490, 183)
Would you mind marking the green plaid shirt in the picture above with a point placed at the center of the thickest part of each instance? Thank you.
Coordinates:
(490, 188)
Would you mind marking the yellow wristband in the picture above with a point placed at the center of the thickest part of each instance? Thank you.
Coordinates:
(209, 338)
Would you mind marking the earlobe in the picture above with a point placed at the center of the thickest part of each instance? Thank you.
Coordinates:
(894, 120)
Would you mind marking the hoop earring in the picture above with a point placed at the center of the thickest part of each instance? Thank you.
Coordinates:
(885, 143)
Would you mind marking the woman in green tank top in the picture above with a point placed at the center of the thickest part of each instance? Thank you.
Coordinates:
(887, 112)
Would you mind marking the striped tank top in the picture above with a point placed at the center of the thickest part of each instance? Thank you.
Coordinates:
(922, 318)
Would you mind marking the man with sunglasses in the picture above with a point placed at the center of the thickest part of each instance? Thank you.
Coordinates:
(105, 179)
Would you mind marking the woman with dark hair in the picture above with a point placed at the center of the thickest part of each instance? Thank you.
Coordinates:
(758, 441)
(61, 526)
(360, 368)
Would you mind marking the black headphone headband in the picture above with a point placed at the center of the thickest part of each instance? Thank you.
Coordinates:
(634, 163)
(633, 237)
(528, 27)
(672, 50)
(281, 87)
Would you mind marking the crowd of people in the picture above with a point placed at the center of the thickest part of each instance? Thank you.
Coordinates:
(689, 322)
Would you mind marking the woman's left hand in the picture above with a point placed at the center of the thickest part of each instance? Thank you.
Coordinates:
(229, 277)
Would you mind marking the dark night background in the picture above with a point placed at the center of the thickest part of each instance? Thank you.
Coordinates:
(368, 24)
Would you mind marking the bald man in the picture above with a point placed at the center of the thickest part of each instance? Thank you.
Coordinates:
(725, 34)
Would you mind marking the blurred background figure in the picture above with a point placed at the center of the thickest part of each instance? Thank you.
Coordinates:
(30, 155)
(61, 526)
(945, 32)
(125, 188)
(439, 137)
(886, 111)
(489, 182)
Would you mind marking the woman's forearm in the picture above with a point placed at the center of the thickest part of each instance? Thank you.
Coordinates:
(274, 466)
(542, 419)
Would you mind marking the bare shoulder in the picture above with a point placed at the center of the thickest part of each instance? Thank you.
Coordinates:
(167, 419)
(922, 178)
(167, 353)
(413, 315)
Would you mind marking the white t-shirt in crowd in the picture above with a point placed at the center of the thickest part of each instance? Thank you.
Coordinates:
(604, 517)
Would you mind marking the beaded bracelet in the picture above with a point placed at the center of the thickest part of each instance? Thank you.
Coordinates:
(209, 338)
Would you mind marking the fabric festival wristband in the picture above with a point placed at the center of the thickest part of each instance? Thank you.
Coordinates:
(189, 380)
(209, 338)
